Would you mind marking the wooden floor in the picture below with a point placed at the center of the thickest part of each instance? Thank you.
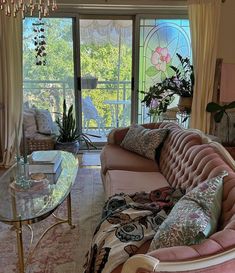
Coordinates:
(89, 159)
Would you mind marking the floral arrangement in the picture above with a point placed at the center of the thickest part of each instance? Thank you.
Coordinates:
(181, 83)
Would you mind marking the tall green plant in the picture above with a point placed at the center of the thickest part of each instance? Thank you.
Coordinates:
(68, 131)
(67, 125)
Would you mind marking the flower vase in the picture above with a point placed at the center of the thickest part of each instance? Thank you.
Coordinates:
(22, 174)
(157, 118)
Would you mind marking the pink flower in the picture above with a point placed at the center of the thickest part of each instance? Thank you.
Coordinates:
(160, 58)
(154, 104)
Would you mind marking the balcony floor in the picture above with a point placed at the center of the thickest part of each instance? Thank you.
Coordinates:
(102, 135)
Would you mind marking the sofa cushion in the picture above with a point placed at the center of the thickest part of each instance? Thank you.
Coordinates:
(117, 181)
(143, 141)
(194, 217)
(44, 121)
(113, 157)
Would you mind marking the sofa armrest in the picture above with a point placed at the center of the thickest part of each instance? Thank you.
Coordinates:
(140, 263)
(144, 263)
(117, 134)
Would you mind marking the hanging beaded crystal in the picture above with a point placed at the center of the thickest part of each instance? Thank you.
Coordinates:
(42, 7)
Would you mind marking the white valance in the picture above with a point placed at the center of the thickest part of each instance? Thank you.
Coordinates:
(103, 31)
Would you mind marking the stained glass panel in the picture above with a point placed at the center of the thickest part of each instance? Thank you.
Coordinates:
(160, 40)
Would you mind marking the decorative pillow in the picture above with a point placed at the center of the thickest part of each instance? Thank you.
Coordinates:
(44, 121)
(194, 217)
(29, 121)
(143, 141)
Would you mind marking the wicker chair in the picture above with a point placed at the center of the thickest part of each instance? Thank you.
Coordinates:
(33, 144)
(36, 141)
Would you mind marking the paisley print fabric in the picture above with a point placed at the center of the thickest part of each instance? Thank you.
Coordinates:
(193, 218)
(143, 141)
(128, 221)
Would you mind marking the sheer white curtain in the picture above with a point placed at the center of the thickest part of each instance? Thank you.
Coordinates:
(10, 85)
(204, 16)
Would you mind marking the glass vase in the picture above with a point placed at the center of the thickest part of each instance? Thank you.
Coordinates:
(22, 174)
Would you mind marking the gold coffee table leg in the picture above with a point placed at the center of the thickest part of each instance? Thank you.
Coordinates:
(69, 207)
(20, 246)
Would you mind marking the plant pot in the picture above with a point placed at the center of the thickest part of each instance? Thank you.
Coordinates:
(89, 83)
(185, 104)
(72, 147)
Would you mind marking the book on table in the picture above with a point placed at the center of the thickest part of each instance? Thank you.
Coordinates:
(53, 177)
(44, 161)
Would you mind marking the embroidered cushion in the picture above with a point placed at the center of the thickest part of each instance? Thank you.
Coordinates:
(44, 121)
(194, 217)
(143, 141)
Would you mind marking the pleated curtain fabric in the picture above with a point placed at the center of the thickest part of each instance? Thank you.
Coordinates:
(11, 94)
(204, 16)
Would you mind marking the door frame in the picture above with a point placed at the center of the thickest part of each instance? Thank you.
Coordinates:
(177, 13)
(78, 90)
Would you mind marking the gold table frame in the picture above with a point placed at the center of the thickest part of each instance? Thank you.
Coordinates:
(19, 231)
(69, 164)
(18, 226)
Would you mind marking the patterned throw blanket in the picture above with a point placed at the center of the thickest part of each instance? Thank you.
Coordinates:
(128, 221)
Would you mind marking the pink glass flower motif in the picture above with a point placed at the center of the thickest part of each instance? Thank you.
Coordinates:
(160, 58)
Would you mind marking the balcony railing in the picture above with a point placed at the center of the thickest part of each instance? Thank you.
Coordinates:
(111, 100)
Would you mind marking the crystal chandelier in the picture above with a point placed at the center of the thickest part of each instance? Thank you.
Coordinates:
(41, 7)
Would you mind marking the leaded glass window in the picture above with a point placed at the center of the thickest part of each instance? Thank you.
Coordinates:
(160, 40)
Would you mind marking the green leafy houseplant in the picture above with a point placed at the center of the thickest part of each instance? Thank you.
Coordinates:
(160, 96)
(219, 111)
(182, 83)
(67, 125)
(68, 132)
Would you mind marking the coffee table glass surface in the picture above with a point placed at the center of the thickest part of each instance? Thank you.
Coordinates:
(41, 199)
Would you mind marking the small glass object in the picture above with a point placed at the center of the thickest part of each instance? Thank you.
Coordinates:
(22, 173)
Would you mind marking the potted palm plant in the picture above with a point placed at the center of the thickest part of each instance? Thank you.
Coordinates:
(69, 136)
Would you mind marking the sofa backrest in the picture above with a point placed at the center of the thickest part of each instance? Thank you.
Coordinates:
(188, 158)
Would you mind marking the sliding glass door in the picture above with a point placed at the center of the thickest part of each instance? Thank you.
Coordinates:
(106, 72)
(111, 68)
(48, 63)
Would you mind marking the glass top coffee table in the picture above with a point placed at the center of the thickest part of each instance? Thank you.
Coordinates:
(27, 206)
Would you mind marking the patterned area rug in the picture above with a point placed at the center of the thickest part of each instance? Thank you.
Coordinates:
(63, 249)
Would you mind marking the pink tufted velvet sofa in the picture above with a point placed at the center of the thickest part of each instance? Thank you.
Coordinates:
(187, 158)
